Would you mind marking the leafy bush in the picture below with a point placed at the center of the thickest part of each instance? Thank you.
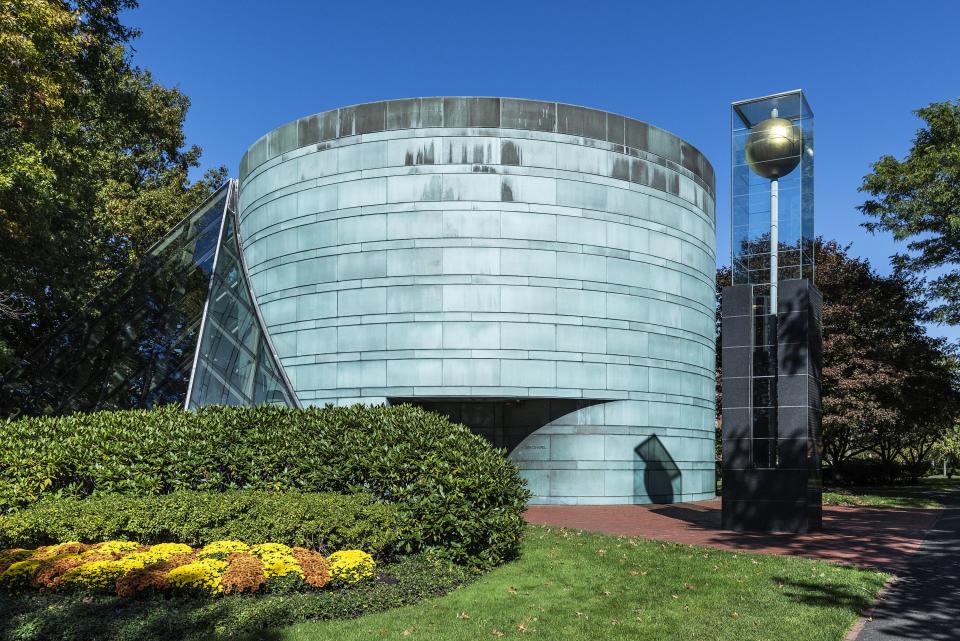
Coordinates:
(866, 472)
(452, 489)
(325, 522)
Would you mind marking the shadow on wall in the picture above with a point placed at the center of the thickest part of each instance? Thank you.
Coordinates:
(655, 472)
(506, 422)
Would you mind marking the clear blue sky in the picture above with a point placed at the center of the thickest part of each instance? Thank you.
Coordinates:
(251, 66)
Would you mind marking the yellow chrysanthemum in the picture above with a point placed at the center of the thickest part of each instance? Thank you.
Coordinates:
(52, 551)
(112, 547)
(278, 559)
(166, 550)
(98, 574)
(222, 548)
(351, 566)
(204, 575)
(19, 573)
(12, 555)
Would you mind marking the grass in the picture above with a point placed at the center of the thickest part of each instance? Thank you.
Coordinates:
(929, 493)
(573, 585)
(876, 497)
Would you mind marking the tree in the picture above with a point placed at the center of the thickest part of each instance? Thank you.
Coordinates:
(929, 404)
(864, 316)
(93, 163)
(948, 448)
(918, 200)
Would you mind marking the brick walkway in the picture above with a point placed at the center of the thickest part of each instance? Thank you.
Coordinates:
(883, 538)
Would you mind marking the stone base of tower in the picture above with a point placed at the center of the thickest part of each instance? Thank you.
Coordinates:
(771, 459)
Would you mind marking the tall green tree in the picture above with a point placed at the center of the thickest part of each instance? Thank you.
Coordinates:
(927, 403)
(917, 199)
(93, 160)
(864, 314)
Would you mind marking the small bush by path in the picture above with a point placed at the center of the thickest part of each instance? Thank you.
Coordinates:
(452, 489)
(324, 522)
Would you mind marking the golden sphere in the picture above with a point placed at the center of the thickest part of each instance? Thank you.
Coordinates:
(773, 148)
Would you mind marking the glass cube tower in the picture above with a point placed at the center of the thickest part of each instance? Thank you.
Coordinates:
(750, 247)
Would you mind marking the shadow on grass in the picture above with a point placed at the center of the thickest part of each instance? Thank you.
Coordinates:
(825, 596)
(76, 618)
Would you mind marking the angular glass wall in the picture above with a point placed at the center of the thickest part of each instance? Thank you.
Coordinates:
(235, 363)
(133, 345)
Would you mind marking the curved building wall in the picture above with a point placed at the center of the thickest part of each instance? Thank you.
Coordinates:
(543, 272)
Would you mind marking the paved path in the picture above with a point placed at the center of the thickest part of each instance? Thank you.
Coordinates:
(924, 602)
(884, 538)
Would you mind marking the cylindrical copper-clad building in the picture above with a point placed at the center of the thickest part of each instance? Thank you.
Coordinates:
(541, 272)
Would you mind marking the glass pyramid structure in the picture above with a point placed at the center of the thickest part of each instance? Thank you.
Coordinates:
(180, 327)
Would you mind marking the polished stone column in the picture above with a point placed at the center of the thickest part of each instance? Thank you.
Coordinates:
(771, 431)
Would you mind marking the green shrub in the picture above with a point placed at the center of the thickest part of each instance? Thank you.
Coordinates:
(324, 522)
(453, 490)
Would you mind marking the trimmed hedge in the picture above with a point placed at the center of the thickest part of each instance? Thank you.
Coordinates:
(452, 489)
(323, 522)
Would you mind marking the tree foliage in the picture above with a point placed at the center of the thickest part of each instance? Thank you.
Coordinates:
(948, 447)
(93, 162)
(917, 199)
(889, 389)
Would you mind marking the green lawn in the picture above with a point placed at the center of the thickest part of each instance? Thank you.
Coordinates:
(573, 585)
(876, 497)
(929, 493)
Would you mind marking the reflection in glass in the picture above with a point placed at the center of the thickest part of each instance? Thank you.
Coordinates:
(132, 346)
(763, 388)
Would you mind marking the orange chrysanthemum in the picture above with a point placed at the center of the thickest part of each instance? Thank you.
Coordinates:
(316, 570)
(244, 574)
(50, 574)
(142, 579)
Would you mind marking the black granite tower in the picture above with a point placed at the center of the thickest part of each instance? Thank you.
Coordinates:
(771, 324)
(771, 409)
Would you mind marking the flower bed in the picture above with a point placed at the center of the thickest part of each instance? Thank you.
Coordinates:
(127, 568)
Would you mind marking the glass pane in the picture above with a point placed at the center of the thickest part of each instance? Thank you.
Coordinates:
(762, 158)
(235, 365)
